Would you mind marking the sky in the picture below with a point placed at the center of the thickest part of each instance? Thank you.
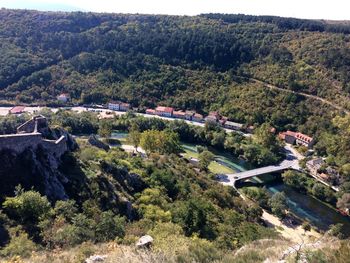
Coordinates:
(313, 9)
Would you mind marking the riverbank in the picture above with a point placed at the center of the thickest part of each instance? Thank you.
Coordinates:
(293, 233)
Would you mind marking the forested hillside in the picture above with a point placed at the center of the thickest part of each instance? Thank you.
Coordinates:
(201, 62)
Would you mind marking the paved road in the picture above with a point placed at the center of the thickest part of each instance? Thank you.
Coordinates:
(103, 113)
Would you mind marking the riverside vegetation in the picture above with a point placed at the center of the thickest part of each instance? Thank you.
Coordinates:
(115, 196)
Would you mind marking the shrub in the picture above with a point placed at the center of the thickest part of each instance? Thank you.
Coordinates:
(67, 209)
(27, 206)
(20, 245)
(109, 227)
(200, 250)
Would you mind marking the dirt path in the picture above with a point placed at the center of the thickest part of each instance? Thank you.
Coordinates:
(302, 94)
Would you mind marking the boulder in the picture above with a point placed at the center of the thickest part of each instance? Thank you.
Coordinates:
(94, 141)
(144, 241)
(96, 258)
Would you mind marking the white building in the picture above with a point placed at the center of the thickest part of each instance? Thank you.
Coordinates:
(64, 97)
(233, 125)
(113, 105)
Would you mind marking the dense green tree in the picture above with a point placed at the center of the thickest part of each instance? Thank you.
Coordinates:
(105, 129)
(109, 227)
(295, 179)
(134, 136)
(160, 142)
(205, 158)
(27, 206)
(344, 202)
(278, 204)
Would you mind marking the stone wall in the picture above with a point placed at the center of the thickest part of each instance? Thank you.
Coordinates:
(57, 147)
(19, 142)
(29, 126)
(31, 134)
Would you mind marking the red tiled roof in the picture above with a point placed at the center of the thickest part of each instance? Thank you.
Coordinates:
(17, 109)
(150, 111)
(214, 113)
(165, 109)
(114, 102)
(189, 112)
(198, 116)
(179, 113)
(297, 135)
(290, 133)
(324, 176)
(303, 137)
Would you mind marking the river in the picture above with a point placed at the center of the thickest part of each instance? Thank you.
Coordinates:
(303, 206)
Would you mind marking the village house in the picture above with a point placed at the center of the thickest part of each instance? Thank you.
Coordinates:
(314, 165)
(213, 116)
(118, 106)
(233, 125)
(189, 115)
(150, 111)
(164, 111)
(64, 97)
(114, 105)
(223, 120)
(329, 174)
(17, 110)
(197, 117)
(124, 106)
(296, 138)
(179, 114)
(288, 137)
(250, 129)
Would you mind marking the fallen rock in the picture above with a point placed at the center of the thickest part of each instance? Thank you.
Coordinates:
(144, 241)
(96, 258)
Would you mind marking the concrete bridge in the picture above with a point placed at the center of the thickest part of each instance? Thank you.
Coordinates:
(291, 162)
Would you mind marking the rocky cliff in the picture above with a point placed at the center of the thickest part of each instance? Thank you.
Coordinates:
(36, 167)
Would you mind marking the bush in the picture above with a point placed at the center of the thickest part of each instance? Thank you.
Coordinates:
(109, 227)
(20, 245)
(27, 206)
(200, 250)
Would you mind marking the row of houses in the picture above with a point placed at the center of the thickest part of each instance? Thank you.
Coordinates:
(190, 115)
(118, 106)
(172, 113)
(215, 117)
